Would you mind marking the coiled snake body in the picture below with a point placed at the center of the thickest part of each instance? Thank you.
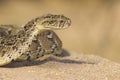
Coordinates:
(34, 40)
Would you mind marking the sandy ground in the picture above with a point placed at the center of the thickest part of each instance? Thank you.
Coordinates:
(71, 66)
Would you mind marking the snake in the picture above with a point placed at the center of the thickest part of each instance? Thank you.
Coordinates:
(32, 41)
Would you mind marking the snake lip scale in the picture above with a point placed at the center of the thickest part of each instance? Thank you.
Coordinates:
(33, 40)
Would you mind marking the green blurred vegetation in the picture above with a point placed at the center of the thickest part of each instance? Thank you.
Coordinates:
(95, 25)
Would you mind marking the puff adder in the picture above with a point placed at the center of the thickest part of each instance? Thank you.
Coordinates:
(33, 40)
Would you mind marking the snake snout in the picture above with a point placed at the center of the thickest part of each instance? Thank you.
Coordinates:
(65, 23)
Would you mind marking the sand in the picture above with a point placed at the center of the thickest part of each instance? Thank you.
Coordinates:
(70, 66)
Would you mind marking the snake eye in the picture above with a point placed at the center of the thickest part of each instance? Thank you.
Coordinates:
(51, 22)
(61, 21)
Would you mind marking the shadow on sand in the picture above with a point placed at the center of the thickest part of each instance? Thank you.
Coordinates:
(38, 62)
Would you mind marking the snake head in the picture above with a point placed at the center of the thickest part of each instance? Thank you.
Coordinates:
(51, 21)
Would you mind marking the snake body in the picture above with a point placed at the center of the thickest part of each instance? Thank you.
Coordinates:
(34, 40)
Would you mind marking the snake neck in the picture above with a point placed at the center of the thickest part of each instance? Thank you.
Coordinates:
(30, 25)
(35, 24)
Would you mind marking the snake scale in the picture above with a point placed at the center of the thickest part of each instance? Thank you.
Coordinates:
(33, 40)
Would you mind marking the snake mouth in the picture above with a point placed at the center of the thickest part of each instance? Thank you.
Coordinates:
(59, 24)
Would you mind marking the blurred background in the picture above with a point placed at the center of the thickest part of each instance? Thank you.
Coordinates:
(95, 25)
